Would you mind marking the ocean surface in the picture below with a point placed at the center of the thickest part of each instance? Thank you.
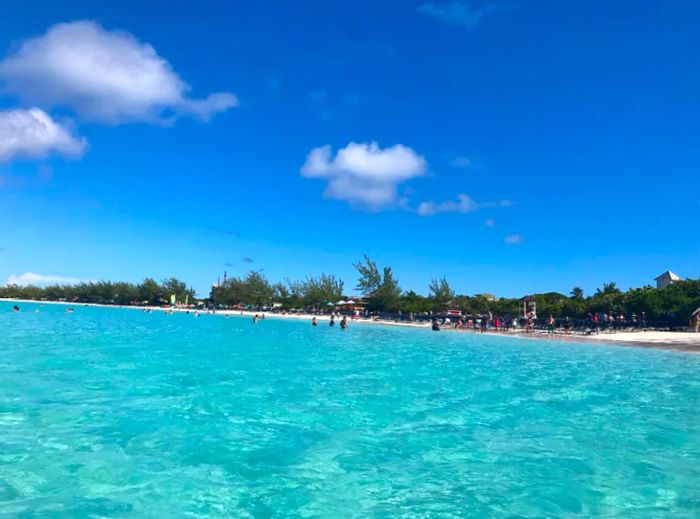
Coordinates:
(119, 413)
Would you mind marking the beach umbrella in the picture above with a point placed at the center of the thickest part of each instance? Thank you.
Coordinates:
(696, 312)
(341, 302)
(349, 302)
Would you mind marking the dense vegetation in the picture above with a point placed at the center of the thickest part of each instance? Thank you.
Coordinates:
(148, 292)
(382, 293)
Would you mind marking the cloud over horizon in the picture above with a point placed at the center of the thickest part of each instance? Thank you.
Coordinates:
(514, 239)
(364, 174)
(105, 76)
(33, 133)
(34, 279)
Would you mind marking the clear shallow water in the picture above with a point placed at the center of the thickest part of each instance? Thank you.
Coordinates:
(117, 413)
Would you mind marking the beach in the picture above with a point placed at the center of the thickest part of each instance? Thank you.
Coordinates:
(688, 342)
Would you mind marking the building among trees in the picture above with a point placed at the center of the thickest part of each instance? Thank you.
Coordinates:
(665, 279)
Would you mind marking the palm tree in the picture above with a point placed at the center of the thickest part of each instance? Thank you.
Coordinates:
(576, 293)
(608, 289)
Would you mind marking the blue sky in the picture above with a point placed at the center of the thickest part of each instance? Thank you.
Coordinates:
(514, 147)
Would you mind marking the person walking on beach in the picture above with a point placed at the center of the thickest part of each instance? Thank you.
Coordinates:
(695, 320)
(567, 325)
(550, 325)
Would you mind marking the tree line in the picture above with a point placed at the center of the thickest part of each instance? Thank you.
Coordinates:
(148, 292)
(381, 293)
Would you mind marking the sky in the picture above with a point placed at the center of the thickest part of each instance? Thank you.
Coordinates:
(513, 147)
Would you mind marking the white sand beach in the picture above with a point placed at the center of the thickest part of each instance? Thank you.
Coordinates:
(680, 341)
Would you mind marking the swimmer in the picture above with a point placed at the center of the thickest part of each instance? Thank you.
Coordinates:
(15, 308)
(344, 323)
(436, 325)
(314, 322)
(332, 321)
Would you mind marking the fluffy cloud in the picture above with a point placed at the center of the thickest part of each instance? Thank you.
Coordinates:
(489, 222)
(514, 239)
(107, 76)
(463, 204)
(33, 133)
(363, 173)
(33, 279)
(456, 12)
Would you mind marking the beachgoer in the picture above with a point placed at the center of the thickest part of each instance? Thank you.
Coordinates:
(314, 322)
(696, 322)
(332, 321)
(344, 323)
(550, 325)
(15, 308)
(435, 325)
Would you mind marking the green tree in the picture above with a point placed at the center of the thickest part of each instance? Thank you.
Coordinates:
(257, 289)
(381, 288)
(576, 293)
(441, 293)
(150, 291)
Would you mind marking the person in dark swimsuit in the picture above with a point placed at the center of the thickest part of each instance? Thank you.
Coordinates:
(332, 321)
(314, 322)
(344, 323)
(436, 325)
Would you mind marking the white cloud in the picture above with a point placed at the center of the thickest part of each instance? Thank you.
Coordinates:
(456, 12)
(33, 133)
(33, 279)
(107, 76)
(489, 222)
(363, 173)
(463, 204)
(514, 239)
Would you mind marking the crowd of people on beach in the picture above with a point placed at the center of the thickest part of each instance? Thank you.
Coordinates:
(593, 324)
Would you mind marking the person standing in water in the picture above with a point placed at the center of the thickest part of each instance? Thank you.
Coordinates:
(332, 321)
(435, 325)
(344, 323)
(314, 322)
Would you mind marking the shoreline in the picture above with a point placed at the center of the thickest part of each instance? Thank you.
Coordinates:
(685, 342)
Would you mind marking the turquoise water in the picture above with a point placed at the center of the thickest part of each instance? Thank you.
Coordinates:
(118, 413)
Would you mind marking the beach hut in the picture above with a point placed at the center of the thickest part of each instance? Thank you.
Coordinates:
(665, 279)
